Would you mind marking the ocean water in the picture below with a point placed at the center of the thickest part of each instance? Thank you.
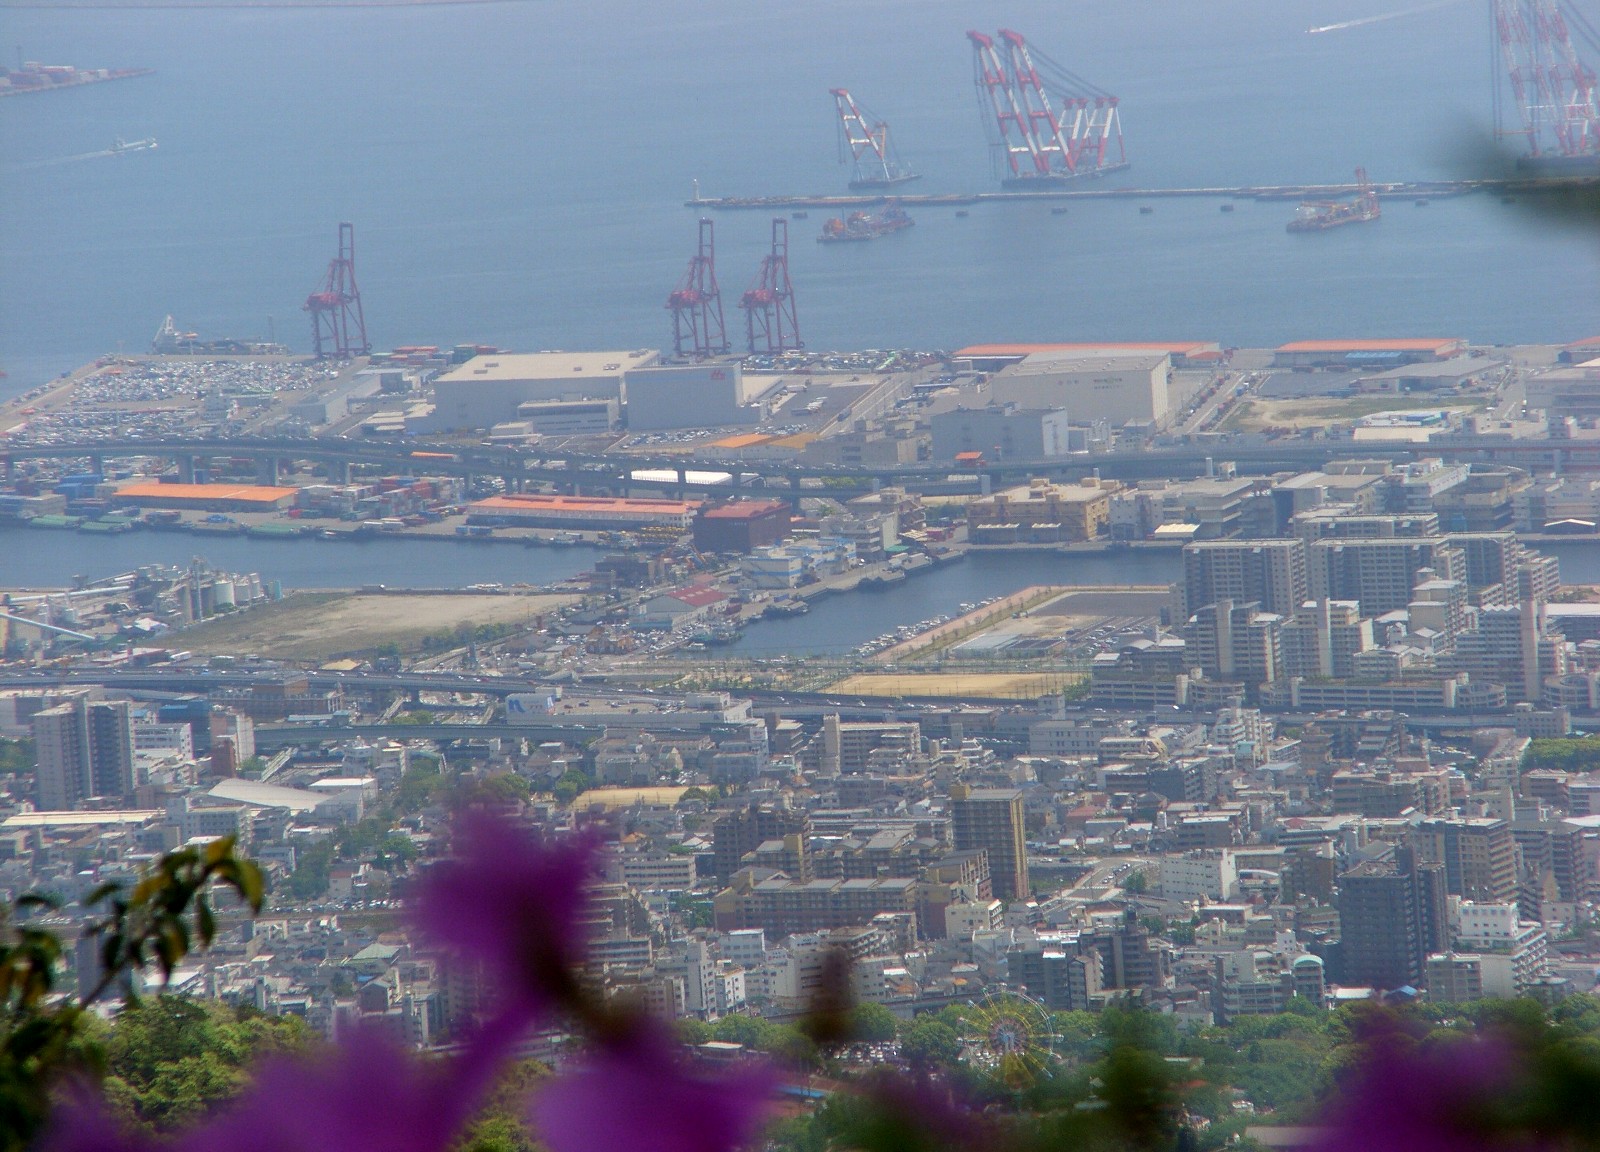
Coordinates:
(516, 173)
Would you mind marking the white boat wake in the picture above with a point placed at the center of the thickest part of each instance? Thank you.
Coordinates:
(1365, 20)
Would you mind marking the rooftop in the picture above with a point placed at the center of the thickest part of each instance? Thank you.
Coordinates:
(1439, 347)
(238, 492)
(501, 366)
(533, 501)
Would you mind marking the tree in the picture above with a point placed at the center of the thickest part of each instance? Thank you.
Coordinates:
(931, 1043)
(873, 1024)
(169, 1059)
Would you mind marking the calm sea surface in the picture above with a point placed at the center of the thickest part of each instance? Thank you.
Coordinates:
(516, 173)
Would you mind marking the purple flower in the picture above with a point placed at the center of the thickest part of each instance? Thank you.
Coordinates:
(364, 1094)
(81, 1123)
(635, 1095)
(1404, 1100)
(514, 904)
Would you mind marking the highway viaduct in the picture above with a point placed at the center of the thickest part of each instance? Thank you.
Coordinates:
(616, 474)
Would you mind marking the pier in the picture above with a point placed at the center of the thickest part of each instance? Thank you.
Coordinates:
(1397, 190)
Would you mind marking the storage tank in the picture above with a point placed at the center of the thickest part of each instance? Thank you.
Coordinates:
(222, 595)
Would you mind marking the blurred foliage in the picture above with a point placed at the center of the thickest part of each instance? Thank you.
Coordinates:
(169, 1059)
(156, 921)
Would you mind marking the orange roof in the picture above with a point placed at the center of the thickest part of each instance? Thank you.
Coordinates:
(743, 440)
(1181, 348)
(530, 502)
(1426, 345)
(250, 492)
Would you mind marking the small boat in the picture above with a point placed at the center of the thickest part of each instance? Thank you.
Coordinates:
(962, 212)
(1146, 210)
(1058, 211)
(1422, 202)
(1226, 208)
(799, 215)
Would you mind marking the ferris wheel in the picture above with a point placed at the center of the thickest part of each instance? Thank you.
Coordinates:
(1010, 1034)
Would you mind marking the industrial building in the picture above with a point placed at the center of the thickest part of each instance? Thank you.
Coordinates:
(707, 394)
(994, 357)
(487, 390)
(534, 510)
(1363, 353)
(741, 526)
(208, 497)
(1006, 433)
(1041, 512)
(1120, 390)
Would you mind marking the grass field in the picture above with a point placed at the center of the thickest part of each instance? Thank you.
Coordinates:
(991, 685)
(324, 625)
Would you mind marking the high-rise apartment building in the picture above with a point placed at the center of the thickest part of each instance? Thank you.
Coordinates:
(1392, 916)
(1379, 573)
(111, 765)
(61, 739)
(1270, 572)
(992, 819)
(1479, 856)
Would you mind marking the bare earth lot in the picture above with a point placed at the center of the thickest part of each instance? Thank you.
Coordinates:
(324, 625)
(994, 686)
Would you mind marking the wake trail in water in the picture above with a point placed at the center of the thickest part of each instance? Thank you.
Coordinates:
(1365, 20)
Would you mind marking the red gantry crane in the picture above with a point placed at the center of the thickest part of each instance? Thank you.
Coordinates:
(696, 303)
(876, 165)
(1018, 89)
(769, 315)
(338, 325)
(1552, 90)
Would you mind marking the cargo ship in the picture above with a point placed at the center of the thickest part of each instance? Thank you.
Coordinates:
(860, 226)
(36, 77)
(1320, 215)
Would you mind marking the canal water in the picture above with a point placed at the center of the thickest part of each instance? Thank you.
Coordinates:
(835, 624)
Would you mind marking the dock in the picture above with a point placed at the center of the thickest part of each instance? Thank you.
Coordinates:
(1398, 190)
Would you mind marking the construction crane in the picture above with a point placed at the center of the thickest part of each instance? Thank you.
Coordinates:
(1018, 90)
(876, 165)
(769, 314)
(696, 303)
(1552, 90)
(338, 325)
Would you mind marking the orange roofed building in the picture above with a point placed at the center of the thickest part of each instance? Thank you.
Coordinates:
(208, 497)
(535, 510)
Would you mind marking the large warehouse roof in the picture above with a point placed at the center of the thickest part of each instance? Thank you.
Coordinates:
(502, 366)
(208, 493)
(1180, 348)
(1434, 345)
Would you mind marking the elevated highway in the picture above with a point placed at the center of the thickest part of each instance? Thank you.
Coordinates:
(596, 474)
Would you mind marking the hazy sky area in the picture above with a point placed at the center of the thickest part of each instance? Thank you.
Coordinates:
(516, 173)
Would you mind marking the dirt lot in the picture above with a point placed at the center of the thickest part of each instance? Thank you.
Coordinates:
(1314, 412)
(324, 625)
(993, 686)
